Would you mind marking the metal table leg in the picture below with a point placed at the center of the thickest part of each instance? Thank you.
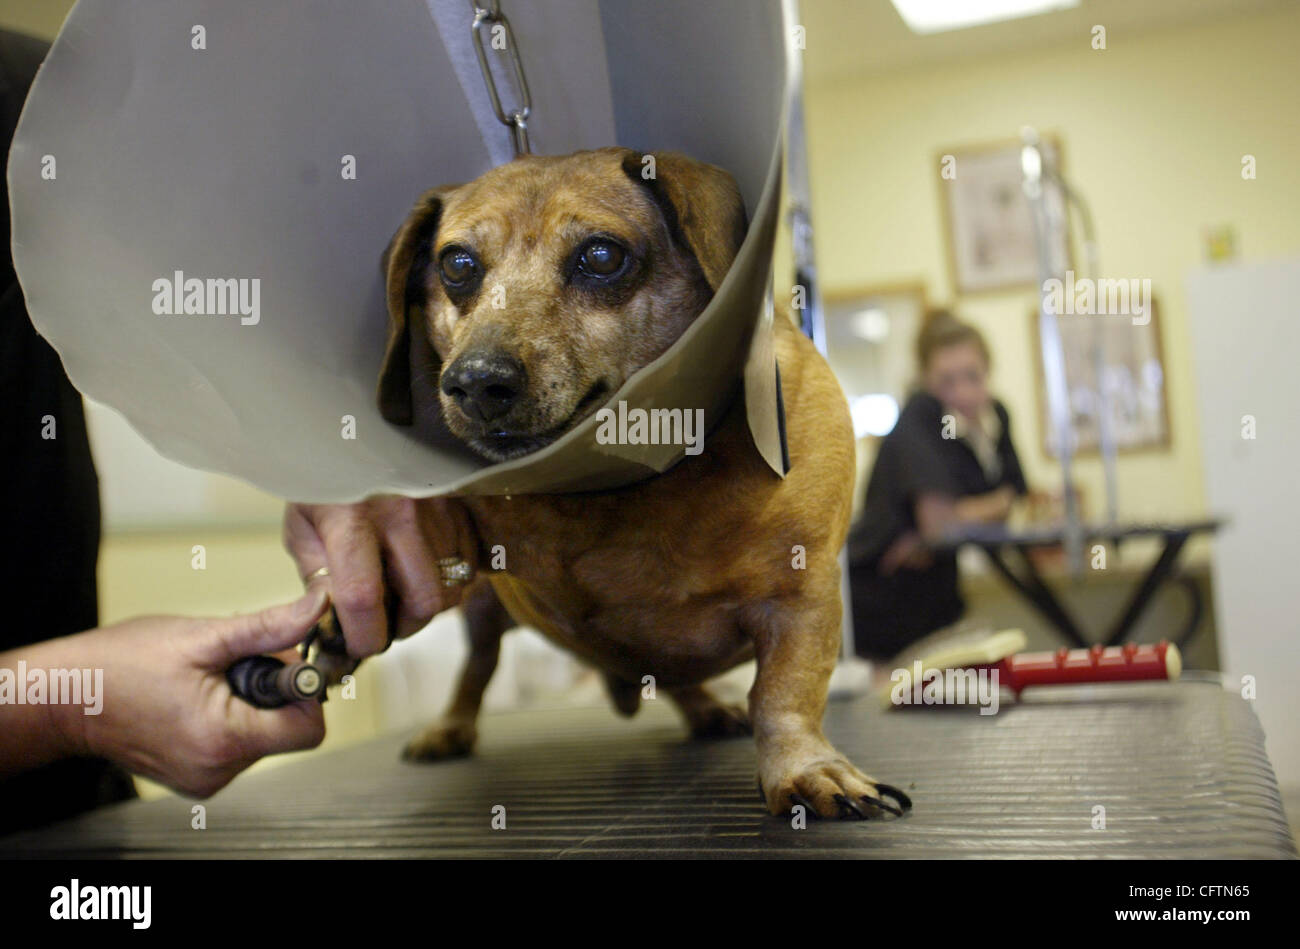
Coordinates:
(1037, 593)
(1141, 598)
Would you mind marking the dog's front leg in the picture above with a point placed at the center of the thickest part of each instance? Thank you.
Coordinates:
(486, 620)
(796, 643)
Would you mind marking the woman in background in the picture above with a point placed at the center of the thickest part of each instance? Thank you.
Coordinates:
(949, 461)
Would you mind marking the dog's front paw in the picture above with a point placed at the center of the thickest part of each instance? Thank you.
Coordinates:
(826, 784)
(442, 740)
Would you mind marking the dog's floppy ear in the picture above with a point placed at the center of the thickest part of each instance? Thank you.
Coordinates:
(405, 264)
(700, 203)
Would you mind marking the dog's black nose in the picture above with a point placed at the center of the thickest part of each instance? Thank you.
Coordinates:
(485, 385)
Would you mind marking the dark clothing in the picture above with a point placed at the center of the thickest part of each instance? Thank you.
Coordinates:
(49, 504)
(891, 612)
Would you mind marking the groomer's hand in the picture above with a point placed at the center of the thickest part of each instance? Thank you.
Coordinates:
(379, 561)
(166, 710)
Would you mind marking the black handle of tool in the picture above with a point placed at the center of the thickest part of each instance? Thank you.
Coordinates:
(267, 682)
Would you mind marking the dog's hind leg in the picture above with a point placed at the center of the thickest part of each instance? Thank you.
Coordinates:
(453, 735)
(625, 695)
(706, 716)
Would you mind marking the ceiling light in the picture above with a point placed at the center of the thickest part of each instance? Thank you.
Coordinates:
(936, 16)
(871, 324)
(874, 414)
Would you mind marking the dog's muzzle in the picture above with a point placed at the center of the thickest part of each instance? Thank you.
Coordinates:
(485, 385)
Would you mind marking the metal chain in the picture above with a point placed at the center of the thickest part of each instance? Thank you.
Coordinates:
(487, 13)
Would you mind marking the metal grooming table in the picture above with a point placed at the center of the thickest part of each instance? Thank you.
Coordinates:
(997, 540)
(1180, 770)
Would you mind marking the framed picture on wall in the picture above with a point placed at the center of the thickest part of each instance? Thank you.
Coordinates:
(1134, 376)
(870, 338)
(990, 230)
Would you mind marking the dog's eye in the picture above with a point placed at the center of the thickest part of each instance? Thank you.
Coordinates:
(601, 258)
(457, 266)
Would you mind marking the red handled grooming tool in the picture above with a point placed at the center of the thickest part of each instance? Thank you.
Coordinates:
(1016, 670)
(1127, 663)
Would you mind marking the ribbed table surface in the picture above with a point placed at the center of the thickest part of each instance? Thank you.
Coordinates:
(1180, 771)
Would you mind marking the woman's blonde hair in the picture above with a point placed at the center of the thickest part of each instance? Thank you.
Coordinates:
(941, 329)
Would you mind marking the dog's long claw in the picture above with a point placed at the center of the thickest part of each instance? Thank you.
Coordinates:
(797, 798)
(881, 803)
(896, 794)
(848, 804)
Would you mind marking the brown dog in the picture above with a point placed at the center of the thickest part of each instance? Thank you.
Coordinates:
(680, 577)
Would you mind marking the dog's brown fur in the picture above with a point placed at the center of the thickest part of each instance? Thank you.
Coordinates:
(687, 574)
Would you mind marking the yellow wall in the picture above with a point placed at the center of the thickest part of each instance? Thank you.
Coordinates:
(1153, 128)
(152, 572)
(40, 18)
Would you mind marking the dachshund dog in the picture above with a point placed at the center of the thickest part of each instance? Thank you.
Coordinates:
(682, 576)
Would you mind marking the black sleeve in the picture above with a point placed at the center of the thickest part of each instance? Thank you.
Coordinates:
(920, 466)
(50, 508)
(910, 463)
(1012, 473)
